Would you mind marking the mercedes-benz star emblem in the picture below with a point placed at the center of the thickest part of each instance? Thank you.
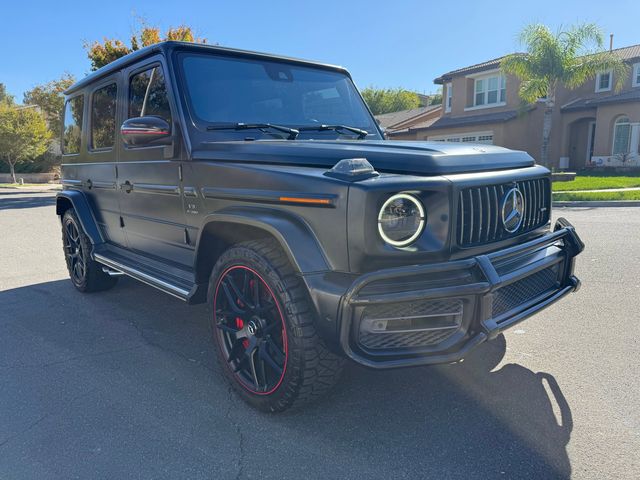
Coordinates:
(512, 210)
(252, 328)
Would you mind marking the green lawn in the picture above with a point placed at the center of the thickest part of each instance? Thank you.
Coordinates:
(597, 196)
(586, 182)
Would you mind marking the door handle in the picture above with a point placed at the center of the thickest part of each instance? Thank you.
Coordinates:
(126, 186)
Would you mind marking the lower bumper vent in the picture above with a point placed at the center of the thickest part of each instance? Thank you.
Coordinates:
(410, 324)
(508, 298)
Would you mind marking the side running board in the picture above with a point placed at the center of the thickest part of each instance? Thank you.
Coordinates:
(180, 290)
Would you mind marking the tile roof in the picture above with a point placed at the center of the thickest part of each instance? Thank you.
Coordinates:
(417, 126)
(388, 120)
(478, 67)
(595, 100)
(450, 122)
(625, 53)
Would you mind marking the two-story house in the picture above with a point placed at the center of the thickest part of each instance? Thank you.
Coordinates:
(592, 125)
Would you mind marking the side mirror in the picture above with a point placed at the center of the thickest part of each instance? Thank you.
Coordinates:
(144, 131)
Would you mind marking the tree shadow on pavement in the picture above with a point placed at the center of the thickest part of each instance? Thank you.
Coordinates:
(144, 386)
(10, 201)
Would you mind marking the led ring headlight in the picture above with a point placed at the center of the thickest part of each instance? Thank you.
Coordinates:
(401, 220)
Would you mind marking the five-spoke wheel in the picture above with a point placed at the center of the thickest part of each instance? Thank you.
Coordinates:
(74, 253)
(86, 274)
(251, 329)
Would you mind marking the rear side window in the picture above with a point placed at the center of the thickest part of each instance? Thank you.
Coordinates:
(72, 132)
(148, 95)
(103, 117)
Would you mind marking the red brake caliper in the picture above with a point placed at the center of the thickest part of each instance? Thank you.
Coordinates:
(239, 325)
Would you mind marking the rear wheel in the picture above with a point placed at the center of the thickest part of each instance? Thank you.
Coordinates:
(264, 332)
(86, 274)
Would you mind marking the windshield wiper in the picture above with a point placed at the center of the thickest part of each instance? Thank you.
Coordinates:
(293, 133)
(319, 128)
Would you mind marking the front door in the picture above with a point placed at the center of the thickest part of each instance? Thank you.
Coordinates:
(149, 176)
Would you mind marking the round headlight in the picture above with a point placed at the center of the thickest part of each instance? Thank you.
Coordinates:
(401, 220)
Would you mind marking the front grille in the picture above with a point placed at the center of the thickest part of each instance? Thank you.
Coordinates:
(510, 297)
(410, 324)
(479, 211)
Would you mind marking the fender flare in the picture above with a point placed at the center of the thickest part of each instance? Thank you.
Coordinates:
(83, 210)
(292, 233)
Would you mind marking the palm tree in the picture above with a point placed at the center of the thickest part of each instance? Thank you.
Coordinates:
(567, 58)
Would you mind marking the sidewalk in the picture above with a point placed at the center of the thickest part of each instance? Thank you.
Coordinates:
(45, 187)
(627, 189)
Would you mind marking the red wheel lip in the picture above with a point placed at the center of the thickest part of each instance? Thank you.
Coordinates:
(284, 327)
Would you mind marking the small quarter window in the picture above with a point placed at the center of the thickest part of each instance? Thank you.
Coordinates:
(148, 95)
(603, 82)
(72, 130)
(103, 117)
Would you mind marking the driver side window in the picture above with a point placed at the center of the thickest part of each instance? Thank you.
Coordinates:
(148, 95)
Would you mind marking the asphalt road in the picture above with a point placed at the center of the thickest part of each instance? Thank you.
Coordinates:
(123, 384)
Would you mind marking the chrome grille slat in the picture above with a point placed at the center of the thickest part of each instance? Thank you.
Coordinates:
(480, 216)
(480, 219)
(487, 205)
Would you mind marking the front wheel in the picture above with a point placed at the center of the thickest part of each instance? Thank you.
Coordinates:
(263, 328)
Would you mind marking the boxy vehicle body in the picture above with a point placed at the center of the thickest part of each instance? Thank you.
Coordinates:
(263, 186)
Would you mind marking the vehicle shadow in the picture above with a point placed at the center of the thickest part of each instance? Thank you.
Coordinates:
(10, 200)
(475, 419)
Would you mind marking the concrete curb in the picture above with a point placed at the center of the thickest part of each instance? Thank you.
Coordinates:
(598, 203)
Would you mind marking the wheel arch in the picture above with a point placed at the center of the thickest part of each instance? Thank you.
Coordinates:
(231, 226)
(78, 201)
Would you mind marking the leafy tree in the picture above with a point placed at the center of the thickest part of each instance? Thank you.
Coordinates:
(436, 98)
(5, 98)
(23, 135)
(50, 100)
(567, 58)
(390, 99)
(105, 52)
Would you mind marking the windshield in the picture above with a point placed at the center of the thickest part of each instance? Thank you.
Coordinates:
(226, 91)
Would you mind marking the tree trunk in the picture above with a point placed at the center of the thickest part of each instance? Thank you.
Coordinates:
(12, 169)
(546, 129)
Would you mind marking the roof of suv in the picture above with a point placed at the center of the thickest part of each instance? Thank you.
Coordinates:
(165, 47)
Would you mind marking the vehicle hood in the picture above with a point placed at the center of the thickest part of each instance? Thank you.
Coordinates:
(407, 157)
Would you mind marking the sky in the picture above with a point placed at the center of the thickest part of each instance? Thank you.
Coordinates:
(399, 43)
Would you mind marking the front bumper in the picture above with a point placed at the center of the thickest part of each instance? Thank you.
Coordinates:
(488, 294)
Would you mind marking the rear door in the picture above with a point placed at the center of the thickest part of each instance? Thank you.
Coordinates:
(98, 171)
(150, 176)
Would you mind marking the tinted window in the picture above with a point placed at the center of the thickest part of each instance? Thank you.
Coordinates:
(103, 117)
(148, 95)
(229, 90)
(72, 133)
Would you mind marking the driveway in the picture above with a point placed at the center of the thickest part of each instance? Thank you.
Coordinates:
(124, 384)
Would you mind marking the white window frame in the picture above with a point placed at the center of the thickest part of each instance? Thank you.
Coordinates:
(608, 89)
(635, 80)
(617, 124)
(485, 77)
(448, 98)
(458, 137)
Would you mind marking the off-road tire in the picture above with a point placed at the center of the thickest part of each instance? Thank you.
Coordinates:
(311, 369)
(88, 276)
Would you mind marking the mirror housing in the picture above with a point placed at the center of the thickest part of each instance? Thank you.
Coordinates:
(145, 130)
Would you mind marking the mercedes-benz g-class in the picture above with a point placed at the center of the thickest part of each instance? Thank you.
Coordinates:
(263, 186)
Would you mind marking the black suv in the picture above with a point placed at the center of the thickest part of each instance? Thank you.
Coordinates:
(263, 186)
